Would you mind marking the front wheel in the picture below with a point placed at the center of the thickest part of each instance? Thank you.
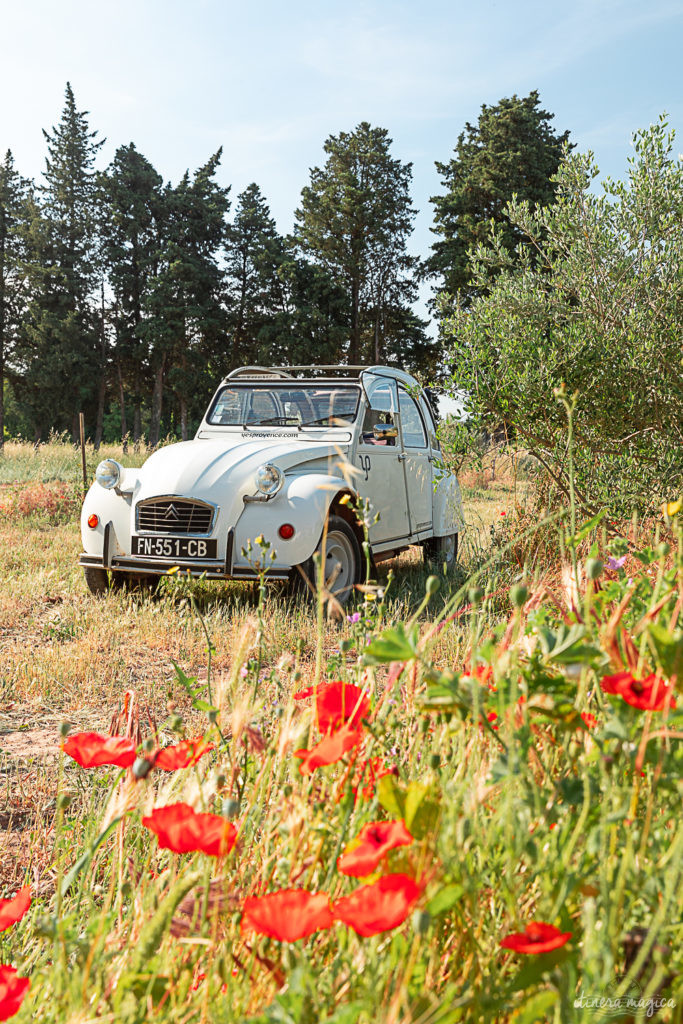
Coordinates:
(341, 561)
(443, 551)
(96, 580)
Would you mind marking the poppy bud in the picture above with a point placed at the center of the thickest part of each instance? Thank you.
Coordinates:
(63, 801)
(177, 723)
(475, 596)
(287, 790)
(434, 761)
(231, 807)
(141, 767)
(345, 646)
(519, 595)
(432, 586)
(64, 728)
(422, 920)
(594, 568)
(148, 745)
(663, 549)
(45, 927)
(220, 780)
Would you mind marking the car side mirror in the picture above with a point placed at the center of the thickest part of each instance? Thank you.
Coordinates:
(383, 431)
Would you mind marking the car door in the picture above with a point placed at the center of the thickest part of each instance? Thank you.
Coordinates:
(417, 462)
(382, 479)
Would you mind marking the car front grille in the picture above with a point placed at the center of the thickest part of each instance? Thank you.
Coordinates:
(174, 515)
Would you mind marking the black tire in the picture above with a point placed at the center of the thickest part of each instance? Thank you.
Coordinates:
(343, 562)
(443, 551)
(132, 584)
(96, 580)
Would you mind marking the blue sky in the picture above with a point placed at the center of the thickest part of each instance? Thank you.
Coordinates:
(270, 81)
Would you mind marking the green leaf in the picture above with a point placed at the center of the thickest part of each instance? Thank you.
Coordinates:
(421, 811)
(445, 899)
(535, 1009)
(587, 528)
(394, 644)
(391, 796)
(203, 705)
(86, 857)
(566, 646)
(668, 649)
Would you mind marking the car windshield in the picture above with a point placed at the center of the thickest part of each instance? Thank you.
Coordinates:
(284, 405)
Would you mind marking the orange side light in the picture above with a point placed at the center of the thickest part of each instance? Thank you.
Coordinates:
(93, 520)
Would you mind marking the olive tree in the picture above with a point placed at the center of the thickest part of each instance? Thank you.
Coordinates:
(592, 299)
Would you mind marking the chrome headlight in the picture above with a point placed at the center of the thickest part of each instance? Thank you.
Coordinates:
(269, 479)
(108, 474)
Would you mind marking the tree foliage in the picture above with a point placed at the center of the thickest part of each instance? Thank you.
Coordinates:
(354, 221)
(511, 151)
(592, 299)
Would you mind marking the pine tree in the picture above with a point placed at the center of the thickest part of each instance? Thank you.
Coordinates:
(61, 348)
(184, 324)
(254, 252)
(14, 191)
(511, 150)
(354, 221)
(130, 196)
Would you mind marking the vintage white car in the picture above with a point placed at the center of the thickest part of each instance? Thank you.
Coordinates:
(285, 457)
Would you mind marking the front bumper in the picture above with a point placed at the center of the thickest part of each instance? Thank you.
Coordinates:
(212, 569)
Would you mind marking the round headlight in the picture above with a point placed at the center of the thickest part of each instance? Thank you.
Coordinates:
(269, 479)
(108, 473)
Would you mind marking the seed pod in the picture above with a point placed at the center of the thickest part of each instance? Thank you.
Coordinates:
(519, 595)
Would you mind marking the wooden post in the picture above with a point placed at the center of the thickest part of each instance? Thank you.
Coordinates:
(81, 424)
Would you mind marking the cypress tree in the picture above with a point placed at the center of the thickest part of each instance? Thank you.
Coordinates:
(61, 350)
(14, 192)
(130, 194)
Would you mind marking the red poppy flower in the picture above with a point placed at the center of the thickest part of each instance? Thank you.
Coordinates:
(373, 844)
(537, 937)
(181, 755)
(369, 772)
(329, 750)
(649, 694)
(91, 750)
(378, 907)
(12, 991)
(336, 704)
(179, 828)
(287, 915)
(590, 721)
(13, 910)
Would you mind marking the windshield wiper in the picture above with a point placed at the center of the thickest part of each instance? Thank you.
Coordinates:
(324, 420)
(277, 421)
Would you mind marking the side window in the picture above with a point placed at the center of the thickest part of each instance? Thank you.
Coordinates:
(428, 417)
(381, 410)
(412, 427)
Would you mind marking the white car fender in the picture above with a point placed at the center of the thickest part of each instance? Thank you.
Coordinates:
(303, 502)
(109, 507)
(448, 516)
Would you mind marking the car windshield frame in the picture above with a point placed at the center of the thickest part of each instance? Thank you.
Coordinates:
(286, 404)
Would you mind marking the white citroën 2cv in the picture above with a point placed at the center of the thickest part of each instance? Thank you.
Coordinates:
(286, 456)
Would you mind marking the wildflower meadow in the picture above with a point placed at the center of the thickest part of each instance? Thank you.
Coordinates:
(461, 802)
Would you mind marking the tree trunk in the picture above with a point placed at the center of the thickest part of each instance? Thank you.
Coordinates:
(137, 420)
(183, 418)
(354, 346)
(157, 396)
(122, 400)
(99, 424)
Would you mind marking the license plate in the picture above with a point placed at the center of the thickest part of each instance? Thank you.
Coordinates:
(174, 547)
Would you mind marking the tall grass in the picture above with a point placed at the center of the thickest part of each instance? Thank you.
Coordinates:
(531, 794)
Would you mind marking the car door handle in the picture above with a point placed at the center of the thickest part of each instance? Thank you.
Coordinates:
(402, 457)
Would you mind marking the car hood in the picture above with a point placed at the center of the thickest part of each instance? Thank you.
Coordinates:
(205, 468)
